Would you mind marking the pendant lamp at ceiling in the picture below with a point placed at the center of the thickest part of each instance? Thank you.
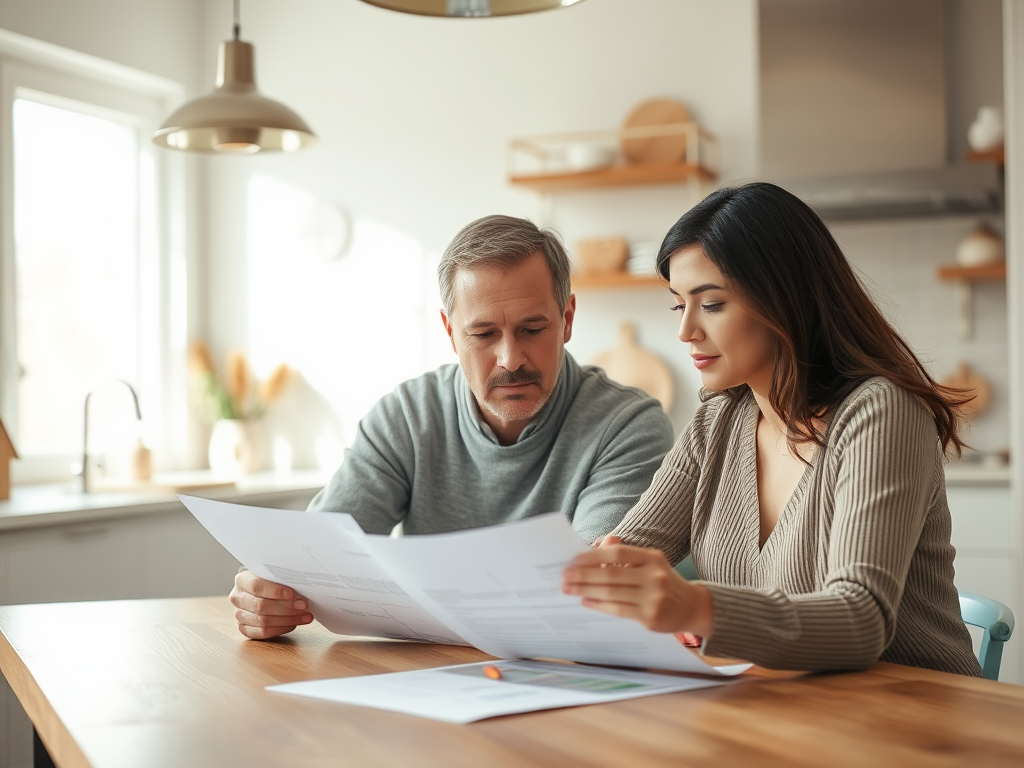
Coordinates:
(234, 118)
(470, 8)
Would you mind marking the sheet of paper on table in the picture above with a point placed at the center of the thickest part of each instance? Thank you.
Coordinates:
(465, 694)
(497, 588)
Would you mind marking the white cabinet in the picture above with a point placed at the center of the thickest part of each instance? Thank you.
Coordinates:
(160, 552)
(986, 561)
(165, 554)
(69, 562)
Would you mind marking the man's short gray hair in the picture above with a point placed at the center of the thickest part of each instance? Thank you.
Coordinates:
(502, 242)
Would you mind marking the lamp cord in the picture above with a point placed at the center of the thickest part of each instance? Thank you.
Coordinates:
(238, 24)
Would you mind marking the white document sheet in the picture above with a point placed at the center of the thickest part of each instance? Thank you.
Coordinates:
(321, 556)
(500, 588)
(496, 588)
(464, 694)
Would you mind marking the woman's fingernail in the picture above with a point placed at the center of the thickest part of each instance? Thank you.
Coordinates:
(300, 605)
(307, 618)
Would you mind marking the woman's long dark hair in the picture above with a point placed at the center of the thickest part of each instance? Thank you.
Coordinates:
(829, 336)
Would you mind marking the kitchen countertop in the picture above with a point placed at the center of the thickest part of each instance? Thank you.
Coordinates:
(977, 474)
(32, 506)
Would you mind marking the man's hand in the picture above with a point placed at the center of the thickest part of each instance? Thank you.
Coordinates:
(264, 609)
(639, 584)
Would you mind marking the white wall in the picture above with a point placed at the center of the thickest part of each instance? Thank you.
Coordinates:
(414, 113)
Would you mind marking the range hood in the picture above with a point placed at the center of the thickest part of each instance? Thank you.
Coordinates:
(953, 190)
(856, 108)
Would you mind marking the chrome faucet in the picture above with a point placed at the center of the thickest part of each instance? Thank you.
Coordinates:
(85, 433)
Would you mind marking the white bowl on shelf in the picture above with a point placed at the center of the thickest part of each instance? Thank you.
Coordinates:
(641, 266)
(643, 257)
(589, 157)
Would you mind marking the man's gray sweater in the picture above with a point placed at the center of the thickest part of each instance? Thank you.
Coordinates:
(424, 457)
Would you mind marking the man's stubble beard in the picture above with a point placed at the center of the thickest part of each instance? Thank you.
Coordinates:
(503, 410)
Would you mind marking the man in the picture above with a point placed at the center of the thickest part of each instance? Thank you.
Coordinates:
(516, 429)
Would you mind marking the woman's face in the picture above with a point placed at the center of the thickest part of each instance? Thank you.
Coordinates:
(728, 344)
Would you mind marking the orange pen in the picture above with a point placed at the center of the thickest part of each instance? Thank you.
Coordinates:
(492, 672)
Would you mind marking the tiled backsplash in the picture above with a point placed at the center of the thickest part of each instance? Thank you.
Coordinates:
(898, 262)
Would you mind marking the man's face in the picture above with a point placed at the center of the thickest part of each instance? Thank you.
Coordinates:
(509, 334)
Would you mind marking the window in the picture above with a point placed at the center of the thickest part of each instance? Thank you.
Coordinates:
(88, 290)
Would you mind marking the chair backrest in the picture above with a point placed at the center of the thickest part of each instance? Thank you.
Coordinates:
(997, 621)
(685, 569)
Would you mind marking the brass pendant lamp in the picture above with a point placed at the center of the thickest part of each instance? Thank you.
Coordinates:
(234, 118)
(470, 8)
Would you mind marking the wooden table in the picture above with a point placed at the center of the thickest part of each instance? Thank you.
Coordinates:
(171, 683)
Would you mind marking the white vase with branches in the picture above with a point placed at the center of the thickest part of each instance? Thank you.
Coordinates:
(233, 404)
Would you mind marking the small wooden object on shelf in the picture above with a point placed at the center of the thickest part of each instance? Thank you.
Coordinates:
(602, 255)
(966, 379)
(7, 453)
(630, 364)
(615, 280)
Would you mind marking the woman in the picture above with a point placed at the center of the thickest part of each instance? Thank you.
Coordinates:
(808, 488)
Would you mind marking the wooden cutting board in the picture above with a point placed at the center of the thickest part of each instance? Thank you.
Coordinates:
(965, 378)
(656, 149)
(629, 364)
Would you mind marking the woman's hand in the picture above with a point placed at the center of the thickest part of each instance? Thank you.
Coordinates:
(638, 583)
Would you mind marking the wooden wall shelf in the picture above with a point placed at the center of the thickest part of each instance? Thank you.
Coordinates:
(994, 271)
(542, 163)
(616, 280)
(996, 155)
(615, 176)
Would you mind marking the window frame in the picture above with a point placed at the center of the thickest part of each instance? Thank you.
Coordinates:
(51, 74)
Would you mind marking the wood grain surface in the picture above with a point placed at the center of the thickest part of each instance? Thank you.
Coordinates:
(172, 683)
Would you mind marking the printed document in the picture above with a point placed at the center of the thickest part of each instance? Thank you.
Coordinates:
(496, 588)
(466, 692)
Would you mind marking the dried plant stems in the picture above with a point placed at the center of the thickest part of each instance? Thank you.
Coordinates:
(236, 396)
(236, 377)
(275, 383)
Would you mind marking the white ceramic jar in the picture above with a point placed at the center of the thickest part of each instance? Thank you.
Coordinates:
(986, 132)
(237, 447)
(983, 245)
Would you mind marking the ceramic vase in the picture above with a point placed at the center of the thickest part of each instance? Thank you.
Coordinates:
(237, 447)
(986, 132)
(982, 245)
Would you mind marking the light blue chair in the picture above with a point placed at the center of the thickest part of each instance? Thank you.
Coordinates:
(685, 569)
(991, 615)
(997, 621)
